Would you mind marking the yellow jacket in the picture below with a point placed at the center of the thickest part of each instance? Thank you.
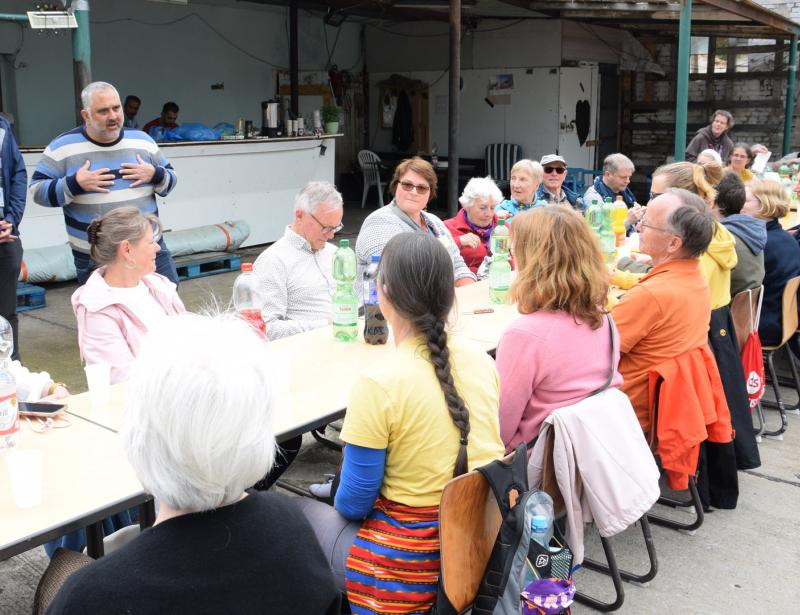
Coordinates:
(716, 264)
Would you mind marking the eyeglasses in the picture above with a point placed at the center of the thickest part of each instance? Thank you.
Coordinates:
(559, 170)
(327, 229)
(643, 224)
(655, 194)
(421, 188)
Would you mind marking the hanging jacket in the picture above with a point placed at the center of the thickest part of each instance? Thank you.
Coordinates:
(604, 469)
(116, 324)
(403, 124)
(716, 264)
(781, 263)
(691, 409)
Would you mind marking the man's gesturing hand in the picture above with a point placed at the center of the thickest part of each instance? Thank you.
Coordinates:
(94, 181)
(141, 173)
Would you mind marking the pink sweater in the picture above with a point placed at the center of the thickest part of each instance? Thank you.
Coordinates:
(546, 361)
(111, 332)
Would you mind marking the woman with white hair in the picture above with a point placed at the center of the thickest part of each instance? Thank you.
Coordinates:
(473, 225)
(707, 156)
(526, 176)
(198, 430)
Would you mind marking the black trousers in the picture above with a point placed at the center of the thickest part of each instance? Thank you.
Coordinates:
(10, 264)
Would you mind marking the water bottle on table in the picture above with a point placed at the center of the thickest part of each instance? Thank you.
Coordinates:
(608, 241)
(345, 302)
(500, 267)
(375, 327)
(249, 299)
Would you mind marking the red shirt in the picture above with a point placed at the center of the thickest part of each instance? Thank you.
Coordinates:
(157, 122)
(458, 226)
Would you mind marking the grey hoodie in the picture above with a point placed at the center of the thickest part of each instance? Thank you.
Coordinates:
(704, 139)
(751, 237)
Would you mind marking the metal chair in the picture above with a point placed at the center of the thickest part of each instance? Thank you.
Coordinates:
(746, 312)
(500, 157)
(789, 321)
(370, 164)
(576, 179)
(694, 495)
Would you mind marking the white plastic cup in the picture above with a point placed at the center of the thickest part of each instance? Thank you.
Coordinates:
(98, 377)
(25, 471)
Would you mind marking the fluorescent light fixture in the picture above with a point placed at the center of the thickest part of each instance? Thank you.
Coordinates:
(51, 20)
(431, 4)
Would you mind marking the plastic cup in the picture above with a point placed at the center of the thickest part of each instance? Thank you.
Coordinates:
(98, 377)
(25, 471)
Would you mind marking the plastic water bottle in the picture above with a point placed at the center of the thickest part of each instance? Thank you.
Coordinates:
(9, 414)
(249, 299)
(345, 302)
(619, 212)
(375, 328)
(594, 217)
(541, 530)
(500, 267)
(608, 241)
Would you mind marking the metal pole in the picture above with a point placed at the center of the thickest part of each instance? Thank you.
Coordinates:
(682, 85)
(81, 53)
(13, 17)
(294, 62)
(454, 107)
(791, 76)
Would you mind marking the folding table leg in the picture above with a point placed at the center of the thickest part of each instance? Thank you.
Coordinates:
(94, 540)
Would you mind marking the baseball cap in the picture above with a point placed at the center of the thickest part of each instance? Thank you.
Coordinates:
(551, 158)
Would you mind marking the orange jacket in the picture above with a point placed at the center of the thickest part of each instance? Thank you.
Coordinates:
(691, 409)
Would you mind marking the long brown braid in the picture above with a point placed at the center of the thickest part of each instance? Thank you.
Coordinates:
(416, 274)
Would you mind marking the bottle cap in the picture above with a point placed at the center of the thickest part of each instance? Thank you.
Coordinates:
(247, 267)
(344, 243)
(539, 523)
(375, 258)
(501, 222)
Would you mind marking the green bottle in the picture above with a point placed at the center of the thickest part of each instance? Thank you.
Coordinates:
(500, 267)
(345, 301)
(608, 241)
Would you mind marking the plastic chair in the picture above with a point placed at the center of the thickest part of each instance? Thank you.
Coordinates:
(789, 323)
(500, 157)
(746, 313)
(370, 164)
(576, 179)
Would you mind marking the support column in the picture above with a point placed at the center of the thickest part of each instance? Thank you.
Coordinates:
(454, 107)
(294, 62)
(81, 54)
(682, 83)
(791, 76)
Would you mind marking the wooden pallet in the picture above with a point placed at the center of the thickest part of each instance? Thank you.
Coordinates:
(208, 263)
(29, 297)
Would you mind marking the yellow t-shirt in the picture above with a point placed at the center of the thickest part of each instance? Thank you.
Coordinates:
(399, 405)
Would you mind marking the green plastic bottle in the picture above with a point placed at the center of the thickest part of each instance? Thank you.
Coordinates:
(345, 301)
(500, 267)
(608, 241)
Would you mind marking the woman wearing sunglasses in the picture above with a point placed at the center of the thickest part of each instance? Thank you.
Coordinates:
(413, 186)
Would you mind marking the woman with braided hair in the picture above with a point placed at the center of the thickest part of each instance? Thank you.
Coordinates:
(413, 423)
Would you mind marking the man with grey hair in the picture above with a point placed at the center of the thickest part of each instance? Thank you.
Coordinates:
(617, 172)
(668, 311)
(295, 271)
(100, 166)
(714, 137)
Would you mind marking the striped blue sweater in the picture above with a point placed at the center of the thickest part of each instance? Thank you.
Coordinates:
(54, 183)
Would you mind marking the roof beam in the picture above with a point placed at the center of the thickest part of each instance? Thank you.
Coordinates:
(755, 13)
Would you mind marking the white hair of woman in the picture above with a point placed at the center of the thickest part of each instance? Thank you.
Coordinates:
(709, 153)
(480, 189)
(531, 167)
(314, 194)
(198, 417)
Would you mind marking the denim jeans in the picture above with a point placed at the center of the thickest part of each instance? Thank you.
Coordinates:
(84, 265)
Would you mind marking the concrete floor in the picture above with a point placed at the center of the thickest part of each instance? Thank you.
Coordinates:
(739, 561)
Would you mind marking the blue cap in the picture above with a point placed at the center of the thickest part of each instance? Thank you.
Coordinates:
(539, 523)
(375, 258)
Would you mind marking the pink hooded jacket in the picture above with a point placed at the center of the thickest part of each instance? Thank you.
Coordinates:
(109, 331)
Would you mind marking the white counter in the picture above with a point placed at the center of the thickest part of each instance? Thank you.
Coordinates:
(254, 180)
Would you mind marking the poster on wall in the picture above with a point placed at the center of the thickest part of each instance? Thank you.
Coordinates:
(501, 86)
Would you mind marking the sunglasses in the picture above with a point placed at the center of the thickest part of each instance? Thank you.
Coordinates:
(421, 188)
(655, 194)
(559, 170)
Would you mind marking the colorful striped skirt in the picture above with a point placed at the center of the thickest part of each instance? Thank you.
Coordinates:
(393, 566)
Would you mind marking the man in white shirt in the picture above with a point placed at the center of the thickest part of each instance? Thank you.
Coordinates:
(295, 271)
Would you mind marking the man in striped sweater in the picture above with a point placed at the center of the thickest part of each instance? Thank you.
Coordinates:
(98, 167)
